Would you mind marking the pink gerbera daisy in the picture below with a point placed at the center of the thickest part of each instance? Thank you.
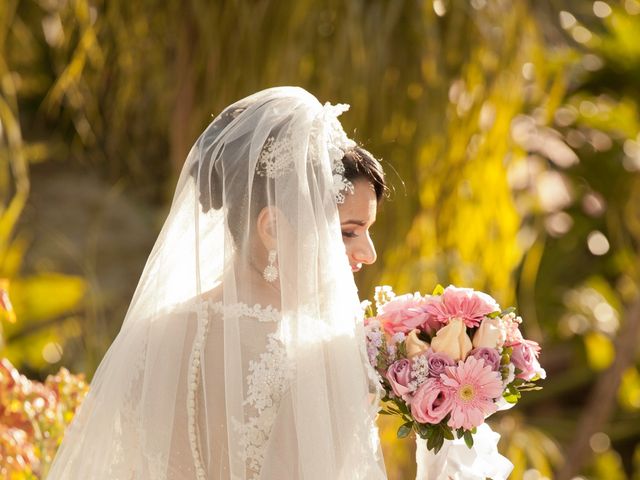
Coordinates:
(475, 386)
(464, 303)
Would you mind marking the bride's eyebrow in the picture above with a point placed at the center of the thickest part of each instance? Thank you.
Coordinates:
(361, 223)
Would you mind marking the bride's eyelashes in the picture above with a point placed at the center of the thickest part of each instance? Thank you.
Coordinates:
(349, 234)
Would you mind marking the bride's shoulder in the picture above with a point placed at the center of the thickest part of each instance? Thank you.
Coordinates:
(213, 296)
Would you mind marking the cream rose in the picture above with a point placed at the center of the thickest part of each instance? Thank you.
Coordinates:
(414, 345)
(452, 340)
(491, 334)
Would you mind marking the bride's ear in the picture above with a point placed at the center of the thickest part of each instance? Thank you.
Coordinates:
(266, 227)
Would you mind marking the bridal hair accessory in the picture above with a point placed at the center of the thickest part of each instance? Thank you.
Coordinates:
(270, 272)
(337, 145)
(277, 157)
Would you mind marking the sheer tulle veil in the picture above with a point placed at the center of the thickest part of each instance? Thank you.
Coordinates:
(218, 373)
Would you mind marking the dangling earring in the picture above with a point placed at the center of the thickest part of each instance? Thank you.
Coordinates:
(270, 272)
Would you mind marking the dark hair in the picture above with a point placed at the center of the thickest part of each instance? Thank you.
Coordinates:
(210, 171)
(360, 164)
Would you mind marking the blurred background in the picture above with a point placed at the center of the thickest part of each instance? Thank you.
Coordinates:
(509, 130)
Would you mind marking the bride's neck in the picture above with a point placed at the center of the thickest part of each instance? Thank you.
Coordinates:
(252, 288)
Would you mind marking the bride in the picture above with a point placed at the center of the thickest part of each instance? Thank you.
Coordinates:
(242, 353)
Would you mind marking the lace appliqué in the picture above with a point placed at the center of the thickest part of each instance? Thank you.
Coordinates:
(276, 158)
(266, 380)
(266, 383)
(237, 310)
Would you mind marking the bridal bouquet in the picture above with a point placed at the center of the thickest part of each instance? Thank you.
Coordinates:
(448, 360)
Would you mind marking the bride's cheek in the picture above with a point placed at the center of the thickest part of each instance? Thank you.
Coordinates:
(347, 245)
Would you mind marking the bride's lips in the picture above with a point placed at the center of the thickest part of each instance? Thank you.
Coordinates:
(356, 268)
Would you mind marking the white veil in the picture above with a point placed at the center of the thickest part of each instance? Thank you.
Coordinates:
(218, 373)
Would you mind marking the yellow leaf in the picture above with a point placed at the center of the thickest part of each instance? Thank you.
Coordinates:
(46, 296)
(629, 392)
(609, 465)
(6, 309)
(600, 351)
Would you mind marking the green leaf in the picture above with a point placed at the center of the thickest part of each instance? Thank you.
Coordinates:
(404, 430)
(510, 398)
(511, 394)
(393, 411)
(446, 432)
(368, 312)
(423, 430)
(534, 388)
(436, 440)
(507, 311)
(468, 439)
(402, 407)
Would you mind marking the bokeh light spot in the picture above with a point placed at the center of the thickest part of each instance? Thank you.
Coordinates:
(599, 442)
(597, 243)
(52, 352)
(601, 9)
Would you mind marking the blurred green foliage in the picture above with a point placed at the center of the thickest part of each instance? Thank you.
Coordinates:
(509, 130)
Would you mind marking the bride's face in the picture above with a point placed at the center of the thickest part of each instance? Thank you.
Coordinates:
(357, 214)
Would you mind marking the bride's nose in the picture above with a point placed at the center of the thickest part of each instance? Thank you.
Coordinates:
(365, 251)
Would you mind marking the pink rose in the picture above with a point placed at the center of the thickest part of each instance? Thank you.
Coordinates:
(525, 358)
(491, 334)
(437, 362)
(414, 345)
(403, 313)
(452, 340)
(431, 402)
(399, 376)
(490, 356)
